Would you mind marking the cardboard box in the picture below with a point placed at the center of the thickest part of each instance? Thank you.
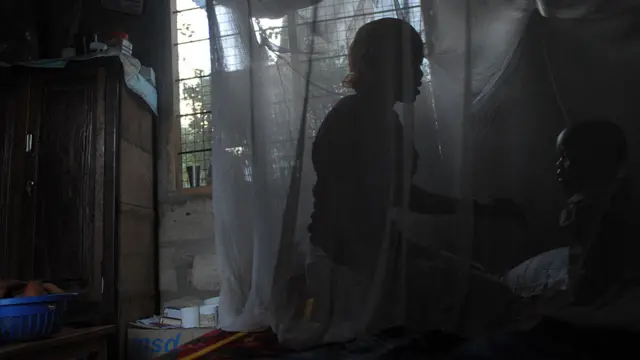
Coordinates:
(146, 344)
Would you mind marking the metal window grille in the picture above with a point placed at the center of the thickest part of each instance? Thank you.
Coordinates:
(336, 25)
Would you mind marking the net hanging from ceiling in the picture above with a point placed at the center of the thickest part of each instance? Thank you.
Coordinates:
(273, 82)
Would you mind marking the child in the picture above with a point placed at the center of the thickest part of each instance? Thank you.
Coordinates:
(591, 318)
(591, 169)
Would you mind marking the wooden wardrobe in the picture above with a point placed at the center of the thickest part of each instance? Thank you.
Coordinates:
(77, 194)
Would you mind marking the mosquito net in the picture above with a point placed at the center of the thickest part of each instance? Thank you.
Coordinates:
(273, 84)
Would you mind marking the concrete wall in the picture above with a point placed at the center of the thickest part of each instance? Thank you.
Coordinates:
(187, 252)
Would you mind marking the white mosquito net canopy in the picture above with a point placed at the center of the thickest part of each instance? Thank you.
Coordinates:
(272, 86)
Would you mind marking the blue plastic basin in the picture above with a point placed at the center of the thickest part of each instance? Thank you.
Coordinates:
(33, 317)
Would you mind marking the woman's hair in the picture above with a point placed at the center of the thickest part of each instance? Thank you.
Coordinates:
(378, 45)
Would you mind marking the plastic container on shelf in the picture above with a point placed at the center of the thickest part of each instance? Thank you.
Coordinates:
(120, 41)
(208, 316)
(32, 318)
(212, 301)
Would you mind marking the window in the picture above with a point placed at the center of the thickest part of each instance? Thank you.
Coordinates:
(337, 23)
(192, 87)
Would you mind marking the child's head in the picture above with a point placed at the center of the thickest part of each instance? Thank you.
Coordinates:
(592, 153)
(378, 56)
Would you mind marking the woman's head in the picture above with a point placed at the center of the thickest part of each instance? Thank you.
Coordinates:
(592, 154)
(379, 57)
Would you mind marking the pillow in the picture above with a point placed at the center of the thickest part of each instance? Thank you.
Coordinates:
(544, 273)
(540, 282)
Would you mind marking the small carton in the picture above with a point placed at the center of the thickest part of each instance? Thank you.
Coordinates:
(144, 344)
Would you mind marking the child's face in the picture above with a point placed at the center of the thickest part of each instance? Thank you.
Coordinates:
(571, 170)
(563, 165)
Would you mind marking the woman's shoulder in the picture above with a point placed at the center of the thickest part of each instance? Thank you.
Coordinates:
(347, 104)
(341, 112)
(355, 106)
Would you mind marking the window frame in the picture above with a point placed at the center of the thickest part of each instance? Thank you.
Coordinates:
(177, 153)
(176, 81)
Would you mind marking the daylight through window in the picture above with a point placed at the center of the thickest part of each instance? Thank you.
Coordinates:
(337, 22)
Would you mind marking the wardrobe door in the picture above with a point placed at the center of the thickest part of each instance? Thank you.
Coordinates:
(14, 93)
(67, 181)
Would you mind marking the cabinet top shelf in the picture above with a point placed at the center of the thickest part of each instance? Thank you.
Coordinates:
(140, 79)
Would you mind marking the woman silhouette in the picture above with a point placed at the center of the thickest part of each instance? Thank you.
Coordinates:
(356, 275)
(358, 152)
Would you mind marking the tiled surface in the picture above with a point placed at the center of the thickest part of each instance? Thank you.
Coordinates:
(137, 250)
(136, 175)
(136, 124)
(136, 230)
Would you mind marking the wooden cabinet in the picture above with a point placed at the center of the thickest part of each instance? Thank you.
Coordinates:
(77, 187)
(13, 122)
(64, 180)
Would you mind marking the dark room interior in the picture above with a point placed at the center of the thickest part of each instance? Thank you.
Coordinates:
(168, 187)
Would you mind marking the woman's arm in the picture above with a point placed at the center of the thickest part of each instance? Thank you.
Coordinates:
(424, 202)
